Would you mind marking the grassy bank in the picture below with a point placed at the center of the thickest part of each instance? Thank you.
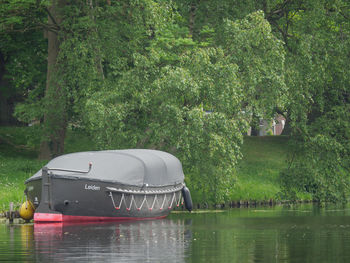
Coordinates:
(18, 159)
(264, 158)
(258, 172)
(17, 162)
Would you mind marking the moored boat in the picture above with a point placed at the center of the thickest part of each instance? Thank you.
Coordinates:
(108, 185)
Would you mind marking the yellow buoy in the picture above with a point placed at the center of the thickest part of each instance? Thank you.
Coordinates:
(26, 210)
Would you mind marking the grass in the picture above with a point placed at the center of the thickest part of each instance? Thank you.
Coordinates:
(17, 163)
(258, 172)
(18, 159)
(263, 159)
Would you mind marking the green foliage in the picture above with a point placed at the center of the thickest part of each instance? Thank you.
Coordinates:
(321, 166)
(319, 101)
(260, 56)
(24, 138)
(23, 51)
(189, 101)
(206, 15)
(163, 108)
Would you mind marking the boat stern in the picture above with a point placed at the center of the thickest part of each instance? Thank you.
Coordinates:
(44, 213)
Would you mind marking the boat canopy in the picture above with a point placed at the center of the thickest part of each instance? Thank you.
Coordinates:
(137, 167)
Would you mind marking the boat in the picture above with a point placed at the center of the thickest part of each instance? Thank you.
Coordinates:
(107, 186)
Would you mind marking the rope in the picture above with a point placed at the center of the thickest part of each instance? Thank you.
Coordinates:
(156, 199)
(178, 203)
(111, 195)
(172, 201)
(144, 200)
(121, 200)
(161, 208)
(131, 202)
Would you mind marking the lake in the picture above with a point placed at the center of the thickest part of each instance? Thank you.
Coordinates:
(300, 233)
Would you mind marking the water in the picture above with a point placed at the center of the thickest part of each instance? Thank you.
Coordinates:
(279, 234)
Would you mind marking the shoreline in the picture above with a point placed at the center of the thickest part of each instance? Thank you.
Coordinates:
(210, 209)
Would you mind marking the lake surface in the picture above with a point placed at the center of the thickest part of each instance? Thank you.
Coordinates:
(280, 234)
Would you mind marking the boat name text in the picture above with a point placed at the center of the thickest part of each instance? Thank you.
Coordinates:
(92, 187)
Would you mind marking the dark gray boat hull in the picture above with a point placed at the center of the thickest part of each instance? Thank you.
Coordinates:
(88, 200)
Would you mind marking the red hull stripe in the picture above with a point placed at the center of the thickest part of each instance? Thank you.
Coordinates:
(48, 217)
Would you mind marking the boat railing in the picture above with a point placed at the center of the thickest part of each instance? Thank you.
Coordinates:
(144, 192)
(71, 170)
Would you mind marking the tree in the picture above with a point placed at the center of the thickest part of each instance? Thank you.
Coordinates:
(191, 100)
(87, 57)
(316, 42)
(22, 55)
(55, 116)
(25, 20)
(318, 39)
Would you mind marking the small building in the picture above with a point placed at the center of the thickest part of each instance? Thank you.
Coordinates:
(270, 127)
(278, 124)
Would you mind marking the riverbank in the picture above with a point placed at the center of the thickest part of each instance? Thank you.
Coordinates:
(257, 173)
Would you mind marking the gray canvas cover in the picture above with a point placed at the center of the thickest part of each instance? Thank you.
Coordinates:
(130, 167)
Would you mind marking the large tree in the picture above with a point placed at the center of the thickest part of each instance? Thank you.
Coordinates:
(88, 43)
(317, 35)
(23, 27)
(193, 101)
(96, 43)
(316, 40)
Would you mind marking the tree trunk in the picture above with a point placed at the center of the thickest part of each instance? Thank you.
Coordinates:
(55, 119)
(95, 47)
(3, 99)
(192, 18)
(255, 128)
(4, 120)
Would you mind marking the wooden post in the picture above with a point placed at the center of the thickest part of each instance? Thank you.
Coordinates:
(11, 212)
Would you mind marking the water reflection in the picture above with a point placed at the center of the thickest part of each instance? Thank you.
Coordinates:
(138, 241)
(272, 235)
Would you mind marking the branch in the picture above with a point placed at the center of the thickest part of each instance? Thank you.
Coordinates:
(344, 15)
(25, 29)
(50, 28)
(52, 18)
(285, 35)
(279, 11)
